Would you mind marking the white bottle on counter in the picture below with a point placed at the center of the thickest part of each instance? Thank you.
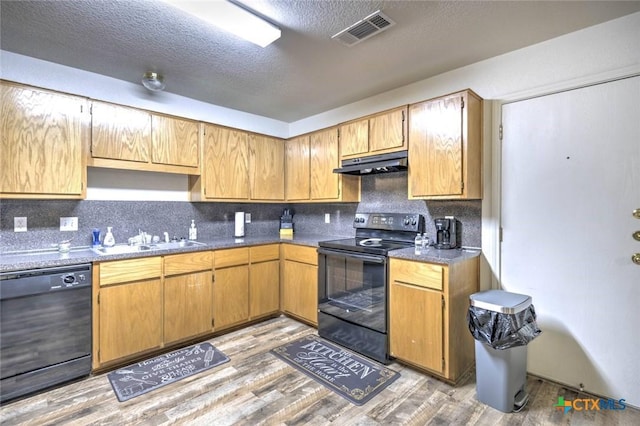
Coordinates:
(109, 240)
(418, 243)
(193, 231)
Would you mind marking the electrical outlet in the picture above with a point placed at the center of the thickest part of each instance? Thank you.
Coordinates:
(68, 223)
(19, 224)
(327, 218)
(247, 218)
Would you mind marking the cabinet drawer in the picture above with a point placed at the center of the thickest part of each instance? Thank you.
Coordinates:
(264, 253)
(122, 271)
(300, 254)
(416, 273)
(187, 262)
(231, 257)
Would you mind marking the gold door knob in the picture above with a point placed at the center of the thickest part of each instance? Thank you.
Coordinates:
(636, 258)
(636, 213)
(636, 235)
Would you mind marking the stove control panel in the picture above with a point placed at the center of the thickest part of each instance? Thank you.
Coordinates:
(389, 221)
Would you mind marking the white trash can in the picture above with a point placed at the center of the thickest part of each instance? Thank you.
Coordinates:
(502, 324)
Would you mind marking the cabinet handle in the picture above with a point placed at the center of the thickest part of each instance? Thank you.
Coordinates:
(636, 258)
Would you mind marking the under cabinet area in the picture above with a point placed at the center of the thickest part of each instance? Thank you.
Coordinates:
(445, 147)
(427, 315)
(43, 144)
(130, 138)
(378, 134)
(300, 282)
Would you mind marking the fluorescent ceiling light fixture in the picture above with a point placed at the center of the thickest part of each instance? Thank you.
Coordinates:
(231, 18)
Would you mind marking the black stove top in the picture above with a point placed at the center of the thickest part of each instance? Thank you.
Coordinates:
(378, 233)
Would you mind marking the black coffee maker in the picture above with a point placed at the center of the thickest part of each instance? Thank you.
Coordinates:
(446, 233)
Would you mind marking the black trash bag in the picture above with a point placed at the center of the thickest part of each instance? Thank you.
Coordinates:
(503, 331)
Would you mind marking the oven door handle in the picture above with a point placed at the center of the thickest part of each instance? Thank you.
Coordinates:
(371, 259)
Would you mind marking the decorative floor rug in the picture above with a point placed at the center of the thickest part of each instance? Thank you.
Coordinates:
(356, 378)
(145, 376)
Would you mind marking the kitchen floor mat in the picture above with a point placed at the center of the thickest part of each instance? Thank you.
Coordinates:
(145, 376)
(356, 378)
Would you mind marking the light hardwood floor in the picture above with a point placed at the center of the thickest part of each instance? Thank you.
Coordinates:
(257, 388)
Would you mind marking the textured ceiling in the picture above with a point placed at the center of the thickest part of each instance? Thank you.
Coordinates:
(304, 72)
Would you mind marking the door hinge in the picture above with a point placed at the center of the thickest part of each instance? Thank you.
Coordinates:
(442, 302)
(461, 185)
(443, 364)
(462, 102)
(98, 298)
(403, 127)
(338, 134)
(213, 278)
(91, 110)
(213, 323)
(500, 129)
(81, 109)
(500, 234)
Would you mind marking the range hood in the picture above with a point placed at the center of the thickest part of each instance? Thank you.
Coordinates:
(382, 163)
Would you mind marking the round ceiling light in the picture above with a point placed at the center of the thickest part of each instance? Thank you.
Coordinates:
(153, 81)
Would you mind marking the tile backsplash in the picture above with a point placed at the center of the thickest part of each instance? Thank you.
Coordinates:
(380, 193)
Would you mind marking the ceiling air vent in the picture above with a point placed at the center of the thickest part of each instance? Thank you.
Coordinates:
(365, 28)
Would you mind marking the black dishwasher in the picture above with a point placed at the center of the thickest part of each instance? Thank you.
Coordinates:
(45, 328)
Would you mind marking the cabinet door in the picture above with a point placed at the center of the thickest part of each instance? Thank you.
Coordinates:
(387, 131)
(300, 290)
(354, 138)
(43, 136)
(416, 325)
(266, 165)
(130, 319)
(264, 288)
(230, 296)
(435, 147)
(187, 305)
(297, 174)
(120, 133)
(175, 141)
(225, 164)
(324, 158)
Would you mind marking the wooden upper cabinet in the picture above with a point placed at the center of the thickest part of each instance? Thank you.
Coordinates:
(354, 138)
(120, 133)
(175, 141)
(387, 131)
(44, 138)
(377, 134)
(324, 158)
(297, 172)
(134, 139)
(445, 148)
(225, 163)
(266, 166)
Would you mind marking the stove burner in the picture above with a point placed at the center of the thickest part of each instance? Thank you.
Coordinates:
(371, 242)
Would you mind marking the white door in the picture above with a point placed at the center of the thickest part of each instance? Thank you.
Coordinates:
(570, 182)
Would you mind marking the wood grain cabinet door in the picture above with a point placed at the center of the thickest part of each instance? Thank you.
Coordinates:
(387, 131)
(416, 325)
(230, 296)
(225, 163)
(325, 184)
(175, 141)
(264, 288)
(120, 133)
(43, 139)
(266, 166)
(297, 172)
(300, 290)
(187, 305)
(354, 138)
(130, 319)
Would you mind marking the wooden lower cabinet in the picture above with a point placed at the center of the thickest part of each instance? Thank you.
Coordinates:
(300, 282)
(264, 280)
(231, 288)
(187, 295)
(427, 314)
(129, 297)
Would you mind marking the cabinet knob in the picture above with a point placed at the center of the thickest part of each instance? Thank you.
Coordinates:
(636, 258)
(636, 213)
(636, 235)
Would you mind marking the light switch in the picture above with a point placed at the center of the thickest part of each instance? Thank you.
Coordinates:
(327, 218)
(19, 224)
(68, 223)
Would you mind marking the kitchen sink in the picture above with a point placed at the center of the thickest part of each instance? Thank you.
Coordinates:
(127, 249)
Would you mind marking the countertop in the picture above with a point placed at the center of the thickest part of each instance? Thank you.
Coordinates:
(35, 259)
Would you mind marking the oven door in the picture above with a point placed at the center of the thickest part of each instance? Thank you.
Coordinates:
(353, 287)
